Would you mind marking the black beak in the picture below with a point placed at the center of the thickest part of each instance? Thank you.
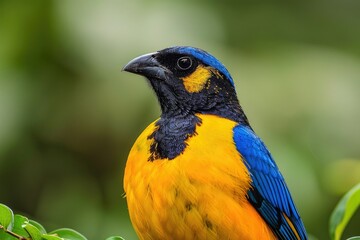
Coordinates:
(146, 65)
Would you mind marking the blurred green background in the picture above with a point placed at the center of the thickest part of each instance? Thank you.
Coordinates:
(68, 115)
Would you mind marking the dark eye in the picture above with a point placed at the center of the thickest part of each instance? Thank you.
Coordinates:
(184, 63)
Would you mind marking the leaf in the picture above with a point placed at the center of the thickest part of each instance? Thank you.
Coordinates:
(354, 238)
(343, 212)
(51, 237)
(115, 238)
(19, 223)
(34, 233)
(6, 217)
(5, 236)
(38, 226)
(69, 234)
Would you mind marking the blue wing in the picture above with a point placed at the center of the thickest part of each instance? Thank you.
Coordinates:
(269, 194)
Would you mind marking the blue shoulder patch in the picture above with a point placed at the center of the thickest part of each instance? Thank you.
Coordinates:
(269, 194)
(206, 58)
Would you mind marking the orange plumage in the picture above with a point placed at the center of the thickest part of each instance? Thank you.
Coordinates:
(198, 195)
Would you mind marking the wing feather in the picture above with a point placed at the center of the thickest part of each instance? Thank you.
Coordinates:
(269, 194)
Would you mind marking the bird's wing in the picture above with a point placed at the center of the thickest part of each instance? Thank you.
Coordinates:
(269, 194)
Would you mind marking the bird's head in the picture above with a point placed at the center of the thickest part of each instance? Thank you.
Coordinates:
(189, 80)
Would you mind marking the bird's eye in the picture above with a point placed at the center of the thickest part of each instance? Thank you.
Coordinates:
(184, 63)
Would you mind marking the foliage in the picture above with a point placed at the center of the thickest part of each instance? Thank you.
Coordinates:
(343, 212)
(19, 227)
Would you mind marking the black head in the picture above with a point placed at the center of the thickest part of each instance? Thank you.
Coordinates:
(189, 80)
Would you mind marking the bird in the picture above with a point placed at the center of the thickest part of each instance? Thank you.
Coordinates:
(199, 171)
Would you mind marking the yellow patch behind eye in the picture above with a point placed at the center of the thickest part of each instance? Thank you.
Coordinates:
(196, 81)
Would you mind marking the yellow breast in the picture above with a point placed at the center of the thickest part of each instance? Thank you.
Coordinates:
(200, 194)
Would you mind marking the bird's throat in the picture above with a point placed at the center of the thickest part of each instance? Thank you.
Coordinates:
(170, 136)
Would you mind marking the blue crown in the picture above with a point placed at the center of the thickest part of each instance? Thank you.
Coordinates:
(206, 58)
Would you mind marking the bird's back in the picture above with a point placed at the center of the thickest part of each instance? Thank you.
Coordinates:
(200, 194)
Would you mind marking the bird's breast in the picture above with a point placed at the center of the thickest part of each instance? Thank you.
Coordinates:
(200, 194)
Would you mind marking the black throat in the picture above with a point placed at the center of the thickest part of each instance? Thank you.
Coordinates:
(169, 138)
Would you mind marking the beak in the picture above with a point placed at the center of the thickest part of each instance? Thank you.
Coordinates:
(147, 66)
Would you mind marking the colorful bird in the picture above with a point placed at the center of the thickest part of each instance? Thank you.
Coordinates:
(200, 171)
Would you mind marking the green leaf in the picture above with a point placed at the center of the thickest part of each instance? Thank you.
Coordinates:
(115, 238)
(19, 223)
(5, 236)
(34, 233)
(38, 226)
(6, 217)
(69, 234)
(343, 212)
(51, 237)
(354, 238)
